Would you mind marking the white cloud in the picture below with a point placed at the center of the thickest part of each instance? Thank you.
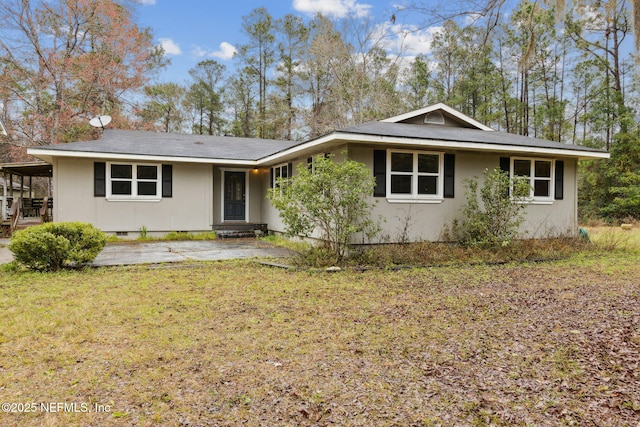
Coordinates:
(403, 43)
(407, 40)
(332, 8)
(198, 52)
(170, 47)
(227, 50)
(146, 2)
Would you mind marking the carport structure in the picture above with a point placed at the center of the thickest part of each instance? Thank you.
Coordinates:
(19, 206)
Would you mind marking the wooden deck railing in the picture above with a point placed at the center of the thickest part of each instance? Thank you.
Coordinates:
(27, 212)
(14, 214)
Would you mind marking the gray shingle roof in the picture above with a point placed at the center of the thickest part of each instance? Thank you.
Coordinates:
(140, 143)
(455, 134)
(239, 150)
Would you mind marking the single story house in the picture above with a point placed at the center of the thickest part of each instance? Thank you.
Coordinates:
(172, 182)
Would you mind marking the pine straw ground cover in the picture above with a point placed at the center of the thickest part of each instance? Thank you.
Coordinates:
(237, 343)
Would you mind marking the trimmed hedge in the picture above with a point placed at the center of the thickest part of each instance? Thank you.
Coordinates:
(52, 246)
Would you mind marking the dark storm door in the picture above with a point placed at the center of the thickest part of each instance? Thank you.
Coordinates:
(234, 196)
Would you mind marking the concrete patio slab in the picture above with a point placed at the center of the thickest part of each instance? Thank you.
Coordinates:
(135, 252)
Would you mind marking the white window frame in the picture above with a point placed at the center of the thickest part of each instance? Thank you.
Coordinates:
(311, 165)
(134, 183)
(280, 167)
(414, 197)
(532, 198)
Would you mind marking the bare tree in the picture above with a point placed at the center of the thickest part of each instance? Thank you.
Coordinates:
(65, 60)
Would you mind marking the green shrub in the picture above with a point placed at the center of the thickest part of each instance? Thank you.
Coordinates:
(332, 200)
(494, 216)
(51, 246)
(39, 249)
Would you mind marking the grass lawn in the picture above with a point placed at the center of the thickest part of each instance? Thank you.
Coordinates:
(236, 343)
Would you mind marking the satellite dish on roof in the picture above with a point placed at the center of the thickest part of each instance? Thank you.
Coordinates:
(100, 121)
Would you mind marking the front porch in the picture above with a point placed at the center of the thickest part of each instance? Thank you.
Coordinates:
(20, 207)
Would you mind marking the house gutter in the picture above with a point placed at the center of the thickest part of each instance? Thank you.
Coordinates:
(48, 156)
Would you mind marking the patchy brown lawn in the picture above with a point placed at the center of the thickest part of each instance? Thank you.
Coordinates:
(235, 343)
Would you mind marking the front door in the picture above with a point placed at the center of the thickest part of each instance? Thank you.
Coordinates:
(234, 196)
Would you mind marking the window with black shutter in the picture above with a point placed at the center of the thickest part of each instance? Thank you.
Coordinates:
(167, 181)
(99, 179)
(380, 172)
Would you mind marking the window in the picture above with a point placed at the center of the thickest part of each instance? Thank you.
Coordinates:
(539, 174)
(414, 175)
(279, 172)
(311, 161)
(128, 181)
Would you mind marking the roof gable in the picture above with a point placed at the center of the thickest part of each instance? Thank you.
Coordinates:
(438, 115)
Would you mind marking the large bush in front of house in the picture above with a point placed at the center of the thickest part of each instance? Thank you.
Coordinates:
(493, 215)
(52, 246)
(331, 198)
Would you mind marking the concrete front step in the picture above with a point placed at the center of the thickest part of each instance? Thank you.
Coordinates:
(240, 230)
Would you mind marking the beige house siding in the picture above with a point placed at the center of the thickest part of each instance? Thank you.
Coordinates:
(426, 221)
(188, 210)
(197, 201)
(269, 214)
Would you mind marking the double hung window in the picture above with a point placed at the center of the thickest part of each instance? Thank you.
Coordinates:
(414, 175)
(538, 173)
(133, 181)
(279, 173)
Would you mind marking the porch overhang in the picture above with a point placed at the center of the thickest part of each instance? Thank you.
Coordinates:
(42, 169)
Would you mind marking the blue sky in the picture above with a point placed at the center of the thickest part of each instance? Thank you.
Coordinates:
(194, 30)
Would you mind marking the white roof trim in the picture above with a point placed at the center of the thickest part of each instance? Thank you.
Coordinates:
(338, 137)
(455, 145)
(440, 106)
(39, 152)
(300, 147)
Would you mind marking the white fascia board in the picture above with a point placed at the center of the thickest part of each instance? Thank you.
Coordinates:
(305, 146)
(387, 142)
(481, 146)
(38, 152)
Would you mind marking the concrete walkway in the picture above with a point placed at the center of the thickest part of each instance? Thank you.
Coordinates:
(136, 252)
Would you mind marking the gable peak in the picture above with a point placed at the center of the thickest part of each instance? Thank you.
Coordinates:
(438, 114)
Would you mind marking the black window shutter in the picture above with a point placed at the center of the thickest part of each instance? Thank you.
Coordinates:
(505, 164)
(310, 163)
(167, 180)
(271, 178)
(559, 178)
(380, 173)
(289, 170)
(449, 175)
(99, 179)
